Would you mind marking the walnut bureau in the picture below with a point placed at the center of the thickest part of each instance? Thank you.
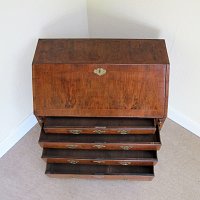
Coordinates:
(101, 104)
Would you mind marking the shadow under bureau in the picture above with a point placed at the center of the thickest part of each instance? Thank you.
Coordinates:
(101, 104)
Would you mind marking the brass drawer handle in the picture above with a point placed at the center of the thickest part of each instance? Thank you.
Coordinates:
(99, 131)
(124, 163)
(100, 71)
(123, 132)
(98, 161)
(125, 147)
(99, 146)
(71, 146)
(75, 131)
(73, 162)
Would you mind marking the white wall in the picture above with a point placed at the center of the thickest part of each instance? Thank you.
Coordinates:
(176, 21)
(22, 22)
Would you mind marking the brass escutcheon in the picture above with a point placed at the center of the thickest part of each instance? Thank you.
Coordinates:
(75, 131)
(72, 162)
(99, 131)
(123, 132)
(100, 71)
(99, 146)
(125, 147)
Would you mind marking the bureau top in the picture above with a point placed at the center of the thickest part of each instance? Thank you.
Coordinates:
(101, 51)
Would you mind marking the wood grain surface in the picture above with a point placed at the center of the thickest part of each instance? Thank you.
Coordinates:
(75, 90)
(101, 51)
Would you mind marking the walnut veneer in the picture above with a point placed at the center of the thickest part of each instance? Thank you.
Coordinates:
(101, 104)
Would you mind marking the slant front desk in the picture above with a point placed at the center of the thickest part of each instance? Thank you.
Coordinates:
(101, 104)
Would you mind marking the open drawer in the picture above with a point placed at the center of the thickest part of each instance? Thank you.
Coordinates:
(99, 125)
(104, 142)
(100, 157)
(100, 171)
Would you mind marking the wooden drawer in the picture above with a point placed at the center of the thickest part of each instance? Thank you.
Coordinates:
(99, 125)
(100, 157)
(110, 142)
(100, 171)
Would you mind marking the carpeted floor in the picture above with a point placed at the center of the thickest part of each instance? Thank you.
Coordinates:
(177, 173)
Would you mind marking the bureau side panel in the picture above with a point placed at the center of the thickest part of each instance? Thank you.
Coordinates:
(122, 90)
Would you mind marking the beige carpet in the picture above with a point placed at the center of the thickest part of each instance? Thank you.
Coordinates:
(177, 173)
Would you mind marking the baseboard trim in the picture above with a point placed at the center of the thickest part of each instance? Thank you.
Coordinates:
(184, 121)
(17, 134)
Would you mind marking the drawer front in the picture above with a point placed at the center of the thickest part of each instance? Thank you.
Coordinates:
(97, 125)
(132, 177)
(99, 90)
(100, 130)
(111, 146)
(100, 157)
(101, 142)
(101, 162)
